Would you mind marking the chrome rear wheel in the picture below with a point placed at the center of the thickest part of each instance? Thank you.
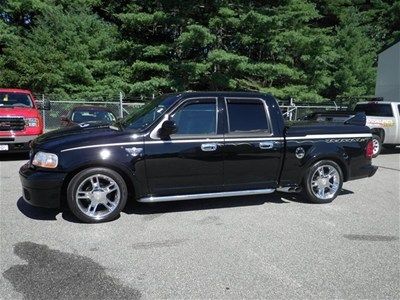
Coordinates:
(325, 182)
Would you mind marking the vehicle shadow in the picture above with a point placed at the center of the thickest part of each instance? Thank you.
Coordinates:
(386, 151)
(137, 208)
(14, 156)
(202, 204)
(37, 213)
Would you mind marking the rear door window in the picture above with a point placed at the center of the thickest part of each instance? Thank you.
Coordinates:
(375, 110)
(247, 116)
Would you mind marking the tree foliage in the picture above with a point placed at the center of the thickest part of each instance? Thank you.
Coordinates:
(309, 50)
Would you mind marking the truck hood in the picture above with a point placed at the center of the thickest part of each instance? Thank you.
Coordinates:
(27, 112)
(81, 135)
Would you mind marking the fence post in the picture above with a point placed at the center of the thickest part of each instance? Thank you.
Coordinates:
(291, 111)
(43, 114)
(121, 107)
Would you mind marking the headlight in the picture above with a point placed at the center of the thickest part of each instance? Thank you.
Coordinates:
(32, 122)
(45, 160)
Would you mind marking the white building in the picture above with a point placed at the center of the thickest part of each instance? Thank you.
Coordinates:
(388, 78)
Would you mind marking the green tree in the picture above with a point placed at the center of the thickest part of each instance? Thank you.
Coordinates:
(68, 51)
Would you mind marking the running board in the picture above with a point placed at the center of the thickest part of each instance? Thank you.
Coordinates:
(205, 195)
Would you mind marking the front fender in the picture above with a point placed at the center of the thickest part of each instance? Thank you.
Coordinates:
(131, 168)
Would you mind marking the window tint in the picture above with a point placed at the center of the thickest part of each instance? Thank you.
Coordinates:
(81, 116)
(196, 118)
(246, 115)
(376, 110)
(15, 99)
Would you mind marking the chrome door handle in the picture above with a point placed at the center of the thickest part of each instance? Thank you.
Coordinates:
(266, 145)
(209, 147)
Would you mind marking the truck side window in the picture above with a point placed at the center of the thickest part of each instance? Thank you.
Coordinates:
(398, 107)
(375, 110)
(246, 115)
(198, 117)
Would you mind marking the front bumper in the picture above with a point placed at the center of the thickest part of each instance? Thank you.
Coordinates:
(17, 143)
(41, 188)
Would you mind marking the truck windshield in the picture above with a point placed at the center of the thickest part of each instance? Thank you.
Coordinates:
(15, 99)
(148, 113)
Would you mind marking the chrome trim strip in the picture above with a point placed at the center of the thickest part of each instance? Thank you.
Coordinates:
(184, 141)
(254, 139)
(205, 195)
(306, 137)
(102, 145)
(329, 136)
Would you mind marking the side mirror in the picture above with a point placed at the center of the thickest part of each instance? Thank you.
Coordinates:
(167, 128)
(45, 105)
(64, 118)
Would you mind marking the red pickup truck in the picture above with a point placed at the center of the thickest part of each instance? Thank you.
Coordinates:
(20, 119)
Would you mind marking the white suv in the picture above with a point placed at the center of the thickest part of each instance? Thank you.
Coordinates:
(384, 120)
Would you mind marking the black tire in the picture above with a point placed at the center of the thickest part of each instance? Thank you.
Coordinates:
(377, 144)
(309, 177)
(102, 174)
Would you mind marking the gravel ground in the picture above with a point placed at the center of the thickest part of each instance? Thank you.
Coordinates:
(274, 246)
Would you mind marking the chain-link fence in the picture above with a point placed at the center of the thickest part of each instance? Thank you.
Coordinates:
(121, 108)
(52, 118)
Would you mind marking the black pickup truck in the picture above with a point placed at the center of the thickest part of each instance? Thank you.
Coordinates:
(193, 145)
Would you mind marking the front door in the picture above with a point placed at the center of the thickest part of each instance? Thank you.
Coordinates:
(252, 152)
(191, 161)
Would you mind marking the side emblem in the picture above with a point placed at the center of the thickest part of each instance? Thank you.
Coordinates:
(300, 152)
(134, 151)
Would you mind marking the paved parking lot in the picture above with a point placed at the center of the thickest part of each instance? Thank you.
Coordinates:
(274, 246)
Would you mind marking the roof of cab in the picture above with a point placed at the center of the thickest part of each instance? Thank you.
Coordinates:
(378, 102)
(241, 93)
(91, 107)
(8, 90)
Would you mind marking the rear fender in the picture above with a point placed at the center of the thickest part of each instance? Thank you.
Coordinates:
(329, 152)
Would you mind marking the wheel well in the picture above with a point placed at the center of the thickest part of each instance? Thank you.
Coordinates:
(379, 132)
(68, 178)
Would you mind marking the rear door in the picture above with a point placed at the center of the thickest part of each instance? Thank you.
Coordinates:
(252, 153)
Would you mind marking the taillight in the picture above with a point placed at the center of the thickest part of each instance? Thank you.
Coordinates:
(369, 149)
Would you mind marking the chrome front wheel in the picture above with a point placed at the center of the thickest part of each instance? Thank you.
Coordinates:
(97, 195)
(377, 145)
